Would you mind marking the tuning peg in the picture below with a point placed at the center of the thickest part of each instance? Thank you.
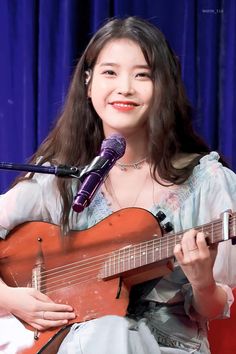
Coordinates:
(160, 216)
(168, 227)
(233, 241)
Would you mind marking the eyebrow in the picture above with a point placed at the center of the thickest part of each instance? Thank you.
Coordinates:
(141, 66)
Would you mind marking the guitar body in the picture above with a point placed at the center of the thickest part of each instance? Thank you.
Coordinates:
(70, 269)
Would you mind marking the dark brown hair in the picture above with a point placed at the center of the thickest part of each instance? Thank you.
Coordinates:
(77, 134)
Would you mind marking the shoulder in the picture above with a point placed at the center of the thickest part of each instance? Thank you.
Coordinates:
(212, 178)
(203, 164)
(183, 160)
(210, 165)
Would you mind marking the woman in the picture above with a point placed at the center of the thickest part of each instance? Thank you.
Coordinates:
(128, 81)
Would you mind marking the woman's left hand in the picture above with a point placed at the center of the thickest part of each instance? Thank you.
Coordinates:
(196, 259)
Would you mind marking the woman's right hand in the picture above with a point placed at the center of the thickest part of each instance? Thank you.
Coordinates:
(35, 308)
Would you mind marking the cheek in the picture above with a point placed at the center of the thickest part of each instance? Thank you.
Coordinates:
(99, 83)
(100, 93)
(149, 92)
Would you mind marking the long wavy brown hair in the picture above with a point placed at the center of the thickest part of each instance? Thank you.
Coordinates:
(77, 134)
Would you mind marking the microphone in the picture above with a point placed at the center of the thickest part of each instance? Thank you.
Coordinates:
(112, 149)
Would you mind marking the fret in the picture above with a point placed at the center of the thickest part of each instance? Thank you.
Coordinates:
(158, 249)
(124, 259)
(234, 223)
(114, 263)
(212, 232)
(167, 246)
(108, 266)
(146, 262)
(143, 255)
(172, 244)
(121, 260)
(129, 258)
(133, 258)
(149, 247)
(139, 255)
(103, 272)
(118, 261)
(178, 238)
(160, 246)
(153, 251)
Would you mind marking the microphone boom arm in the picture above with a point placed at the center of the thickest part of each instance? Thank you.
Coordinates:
(61, 170)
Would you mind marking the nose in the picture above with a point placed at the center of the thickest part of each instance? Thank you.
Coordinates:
(125, 86)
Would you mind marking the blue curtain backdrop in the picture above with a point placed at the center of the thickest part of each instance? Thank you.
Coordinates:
(41, 40)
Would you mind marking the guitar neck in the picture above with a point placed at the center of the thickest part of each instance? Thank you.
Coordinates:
(162, 248)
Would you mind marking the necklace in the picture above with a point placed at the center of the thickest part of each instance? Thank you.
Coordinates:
(136, 165)
(113, 195)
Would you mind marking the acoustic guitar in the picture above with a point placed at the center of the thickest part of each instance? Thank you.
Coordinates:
(92, 270)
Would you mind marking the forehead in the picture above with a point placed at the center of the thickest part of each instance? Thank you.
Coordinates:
(121, 51)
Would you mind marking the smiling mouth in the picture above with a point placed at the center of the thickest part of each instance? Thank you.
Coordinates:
(124, 104)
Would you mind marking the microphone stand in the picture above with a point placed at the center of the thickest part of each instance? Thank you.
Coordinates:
(61, 170)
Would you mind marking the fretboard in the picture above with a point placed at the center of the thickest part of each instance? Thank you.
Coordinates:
(160, 248)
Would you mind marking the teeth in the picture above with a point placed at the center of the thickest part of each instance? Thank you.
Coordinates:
(123, 105)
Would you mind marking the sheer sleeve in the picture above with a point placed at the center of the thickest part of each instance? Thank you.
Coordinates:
(208, 192)
(216, 194)
(29, 200)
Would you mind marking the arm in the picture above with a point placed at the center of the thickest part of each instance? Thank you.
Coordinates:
(213, 192)
(196, 261)
(210, 302)
(22, 203)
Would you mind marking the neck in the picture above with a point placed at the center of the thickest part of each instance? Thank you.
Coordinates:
(136, 144)
(136, 150)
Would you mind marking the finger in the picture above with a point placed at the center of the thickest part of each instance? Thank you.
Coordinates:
(54, 307)
(42, 325)
(56, 316)
(201, 243)
(178, 253)
(50, 305)
(188, 242)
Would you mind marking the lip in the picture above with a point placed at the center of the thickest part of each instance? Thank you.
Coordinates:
(125, 103)
(124, 106)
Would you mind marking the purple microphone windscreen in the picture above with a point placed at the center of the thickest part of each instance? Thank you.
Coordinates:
(112, 149)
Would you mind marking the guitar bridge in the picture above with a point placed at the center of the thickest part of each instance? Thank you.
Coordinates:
(37, 280)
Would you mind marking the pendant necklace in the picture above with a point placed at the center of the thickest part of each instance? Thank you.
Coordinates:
(136, 165)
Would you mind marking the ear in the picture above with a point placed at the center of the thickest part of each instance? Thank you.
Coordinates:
(88, 75)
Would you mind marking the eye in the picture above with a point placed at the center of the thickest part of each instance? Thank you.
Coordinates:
(144, 75)
(109, 72)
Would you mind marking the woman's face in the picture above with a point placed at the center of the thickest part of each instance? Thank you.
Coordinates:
(121, 87)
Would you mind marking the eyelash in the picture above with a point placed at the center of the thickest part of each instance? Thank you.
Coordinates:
(144, 75)
(112, 73)
(108, 72)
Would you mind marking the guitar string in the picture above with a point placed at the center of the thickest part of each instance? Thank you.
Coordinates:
(126, 256)
(87, 276)
(170, 240)
(112, 262)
